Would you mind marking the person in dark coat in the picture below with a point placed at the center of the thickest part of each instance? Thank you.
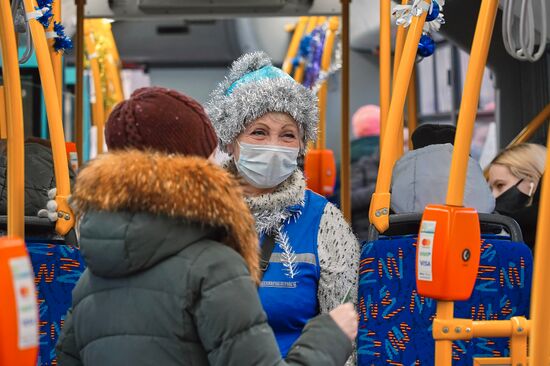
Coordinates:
(433, 134)
(365, 158)
(527, 218)
(172, 254)
(421, 177)
(39, 175)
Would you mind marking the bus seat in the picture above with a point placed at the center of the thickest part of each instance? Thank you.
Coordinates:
(57, 267)
(395, 325)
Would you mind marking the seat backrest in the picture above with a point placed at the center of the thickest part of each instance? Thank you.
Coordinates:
(57, 267)
(396, 323)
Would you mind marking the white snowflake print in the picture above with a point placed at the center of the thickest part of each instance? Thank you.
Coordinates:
(288, 256)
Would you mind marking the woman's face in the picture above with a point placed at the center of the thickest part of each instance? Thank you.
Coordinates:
(501, 179)
(273, 128)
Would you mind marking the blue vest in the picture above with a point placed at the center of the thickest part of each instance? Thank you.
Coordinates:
(289, 287)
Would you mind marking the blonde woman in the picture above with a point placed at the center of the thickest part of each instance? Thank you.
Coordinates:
(514, 177)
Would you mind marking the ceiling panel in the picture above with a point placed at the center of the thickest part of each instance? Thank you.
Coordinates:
(177, 43)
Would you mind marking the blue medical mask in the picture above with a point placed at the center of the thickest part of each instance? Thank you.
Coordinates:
(266, 166)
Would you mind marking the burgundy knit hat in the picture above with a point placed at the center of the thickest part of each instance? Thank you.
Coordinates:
(162, 120)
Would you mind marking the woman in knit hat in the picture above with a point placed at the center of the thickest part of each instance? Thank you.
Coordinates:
(172, 254)
(264, 121)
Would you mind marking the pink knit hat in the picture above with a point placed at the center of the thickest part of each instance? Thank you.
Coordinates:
(366, 121)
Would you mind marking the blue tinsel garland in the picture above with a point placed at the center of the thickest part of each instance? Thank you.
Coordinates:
(62, 42)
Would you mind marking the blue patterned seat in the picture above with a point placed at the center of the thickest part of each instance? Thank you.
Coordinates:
(57, 267)
(395, 322)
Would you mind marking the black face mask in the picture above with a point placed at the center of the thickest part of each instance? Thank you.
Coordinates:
(511, 200)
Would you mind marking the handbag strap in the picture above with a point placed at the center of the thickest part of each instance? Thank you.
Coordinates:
(267, 249)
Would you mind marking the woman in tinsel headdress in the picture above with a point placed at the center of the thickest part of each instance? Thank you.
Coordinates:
(264, 121)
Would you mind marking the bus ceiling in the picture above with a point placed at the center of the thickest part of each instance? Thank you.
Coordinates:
(140, 9)
(364, 18)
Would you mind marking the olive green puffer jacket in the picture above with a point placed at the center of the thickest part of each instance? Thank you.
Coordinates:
(170, 248)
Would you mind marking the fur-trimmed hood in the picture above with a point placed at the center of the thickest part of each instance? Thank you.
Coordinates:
(176, 187)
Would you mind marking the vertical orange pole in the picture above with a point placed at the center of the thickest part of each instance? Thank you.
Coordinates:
(19, 317)
(465, 127)
(444, 348)
(99, 105)
(294, 44)
(14, 115)
(345, 194)
(113, 65)
(79, 97)
(412, 103)
(3, 115)
(380, 203)
(539, 352)
(468, 106)
(399, 43)
(57, 60)
(55, 124)
(323, 91)
(299, 72)
(385, 65)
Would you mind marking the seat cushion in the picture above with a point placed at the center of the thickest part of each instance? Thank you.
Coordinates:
(57, 268)
(396, 323)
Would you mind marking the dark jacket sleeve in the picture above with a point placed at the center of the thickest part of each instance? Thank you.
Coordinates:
(66, 349)
(233, 327)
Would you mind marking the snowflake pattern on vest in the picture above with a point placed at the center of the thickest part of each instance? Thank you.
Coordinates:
(288, 256)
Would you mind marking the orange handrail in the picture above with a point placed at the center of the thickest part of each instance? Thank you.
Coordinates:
(3, 115)
(98, 107)
(385, 65)
(468, 105)
(412, 114)
(56, 57)
(106, 70)
(380, 203)
(399, 43)
(532, 127)
(539, 352)
(113, 65)
(323, 91)
(53, 109)
(294, 44)
(14, 115)
(300, 69)
(465, 127)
